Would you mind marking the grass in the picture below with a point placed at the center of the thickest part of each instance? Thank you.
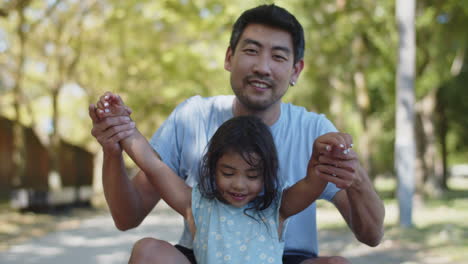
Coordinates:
(439, 233)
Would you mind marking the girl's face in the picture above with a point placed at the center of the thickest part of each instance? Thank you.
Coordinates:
(238, 182)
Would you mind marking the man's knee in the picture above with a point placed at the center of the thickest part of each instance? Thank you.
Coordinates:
(145, 249)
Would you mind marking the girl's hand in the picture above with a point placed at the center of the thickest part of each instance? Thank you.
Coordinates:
(110, 104)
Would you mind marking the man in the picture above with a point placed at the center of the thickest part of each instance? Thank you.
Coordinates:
(264, 57)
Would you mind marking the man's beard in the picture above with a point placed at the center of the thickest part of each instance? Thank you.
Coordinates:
(256, 105)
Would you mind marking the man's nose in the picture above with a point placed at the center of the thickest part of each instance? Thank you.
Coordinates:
(262, 65)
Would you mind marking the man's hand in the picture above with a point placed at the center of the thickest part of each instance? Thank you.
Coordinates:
(334, 160)
(110, 130)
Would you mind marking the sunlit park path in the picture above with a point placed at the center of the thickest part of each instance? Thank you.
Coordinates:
(94, 241)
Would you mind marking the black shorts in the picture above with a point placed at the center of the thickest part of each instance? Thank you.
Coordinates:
(287, 259)
(187, 252)
(295, 259)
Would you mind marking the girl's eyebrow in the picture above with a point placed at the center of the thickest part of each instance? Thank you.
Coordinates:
(227, 166)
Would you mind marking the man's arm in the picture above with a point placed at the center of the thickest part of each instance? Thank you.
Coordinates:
(363, 210)
(358, 202)
(129, 201)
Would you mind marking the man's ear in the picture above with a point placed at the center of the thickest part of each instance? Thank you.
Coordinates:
(297, 69)
(227, 59)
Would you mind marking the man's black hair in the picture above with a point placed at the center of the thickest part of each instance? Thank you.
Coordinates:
(273, 16)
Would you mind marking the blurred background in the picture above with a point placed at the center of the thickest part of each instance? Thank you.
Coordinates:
(57, 57)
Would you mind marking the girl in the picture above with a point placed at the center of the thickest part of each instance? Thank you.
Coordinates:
(237, 212)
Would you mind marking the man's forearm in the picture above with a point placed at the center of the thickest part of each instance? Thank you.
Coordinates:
(367, 210)
(121, 196)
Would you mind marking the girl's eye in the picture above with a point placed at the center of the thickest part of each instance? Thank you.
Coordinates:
(253, 177)
(227, 174)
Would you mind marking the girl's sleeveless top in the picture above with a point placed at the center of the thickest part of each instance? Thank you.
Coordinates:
(225, 234)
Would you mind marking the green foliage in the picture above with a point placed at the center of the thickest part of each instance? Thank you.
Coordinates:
(158, 53)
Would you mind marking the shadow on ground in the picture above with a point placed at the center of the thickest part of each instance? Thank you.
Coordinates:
(95, 241)
(421, 249)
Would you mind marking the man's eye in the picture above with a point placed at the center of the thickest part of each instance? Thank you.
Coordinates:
(279, 58)
(250, 51)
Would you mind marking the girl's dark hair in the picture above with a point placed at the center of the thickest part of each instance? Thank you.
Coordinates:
(273, 16)
(245, 135)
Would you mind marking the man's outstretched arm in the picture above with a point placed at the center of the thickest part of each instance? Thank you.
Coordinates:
(129, 200)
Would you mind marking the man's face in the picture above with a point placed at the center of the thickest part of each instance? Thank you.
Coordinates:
(262, 66)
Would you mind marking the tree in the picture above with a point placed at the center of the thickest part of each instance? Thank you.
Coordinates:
(23, 29)
(405, 149)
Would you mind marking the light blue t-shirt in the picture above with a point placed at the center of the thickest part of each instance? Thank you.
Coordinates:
(225, 234)
(182, 138)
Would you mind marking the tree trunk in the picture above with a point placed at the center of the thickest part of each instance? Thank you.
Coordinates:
(405, 148)
(337, 102)
(442, 131)
(55, 136)
(363, 101)
(18, 139)
(432, 176)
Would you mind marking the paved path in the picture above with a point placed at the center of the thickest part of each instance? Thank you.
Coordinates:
(97, 241)
(94, 241)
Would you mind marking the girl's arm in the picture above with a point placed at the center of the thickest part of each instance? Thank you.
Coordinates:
(173, 190)
(171, 187)
(303, 193)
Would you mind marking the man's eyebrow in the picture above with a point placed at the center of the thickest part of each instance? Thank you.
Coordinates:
(282, 48)
(251, 41)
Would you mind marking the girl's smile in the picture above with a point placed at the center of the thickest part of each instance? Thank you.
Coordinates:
(238, 197)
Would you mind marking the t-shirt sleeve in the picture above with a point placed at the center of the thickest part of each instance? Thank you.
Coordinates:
(325, 126)
(166, 139)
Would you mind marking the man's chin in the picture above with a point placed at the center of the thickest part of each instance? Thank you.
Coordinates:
(255, 104)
